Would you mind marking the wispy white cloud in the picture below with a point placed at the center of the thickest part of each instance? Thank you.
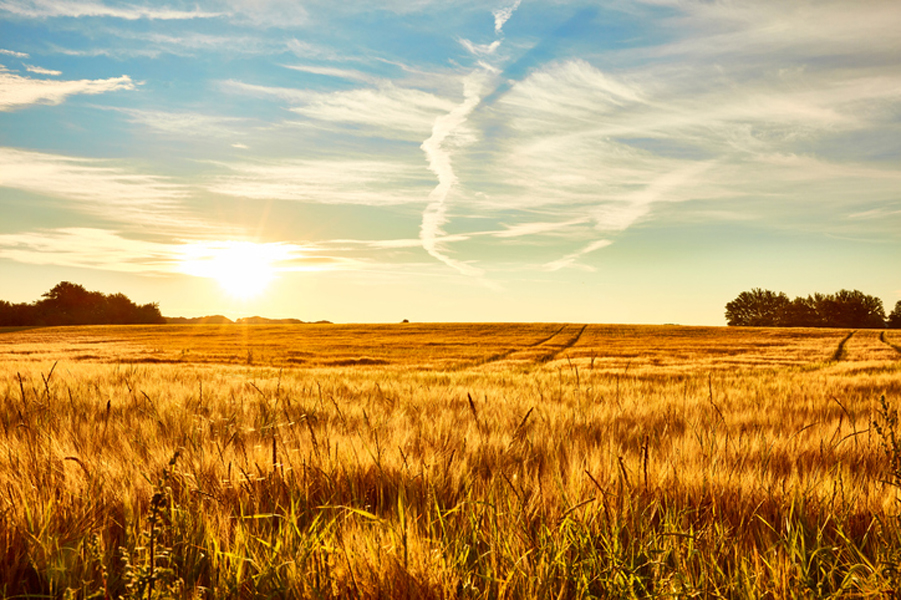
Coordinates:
(42, 70)
(568, 172)
(520, 230)
(614, 147)
(572, 93)
(18, 92)
(387, 109)
(183, 124)
(776, 29)
(502, 15)
(532, 230)
(108, 52)
(41, 9)
(307, 50)
(339, 181)
(124, 42)
(394, 244)
(111, 250)
(97, 187)
(88, 248)
(536, 228)
(678, 185)
(13, 53)
(269, 13)
(261, 91)
(763, 75)
(882, 212)
(348, 74)
(570, 259)
(480, 49)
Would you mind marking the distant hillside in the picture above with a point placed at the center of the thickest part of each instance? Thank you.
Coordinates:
(209, 320)
(265, 321)
(221, 320)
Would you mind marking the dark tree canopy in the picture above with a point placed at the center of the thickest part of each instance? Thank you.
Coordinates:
(757, 308)
(845, 308)
(894, 319)
(70, 304)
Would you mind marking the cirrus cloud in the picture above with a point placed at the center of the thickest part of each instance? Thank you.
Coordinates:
(97, 187)
(42, 9)
(17, 92)
(340, 181)
(111, 250)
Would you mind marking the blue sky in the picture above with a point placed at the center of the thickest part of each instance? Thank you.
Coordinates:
(634, 162)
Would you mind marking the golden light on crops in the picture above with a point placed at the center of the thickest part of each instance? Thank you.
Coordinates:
(243, 269)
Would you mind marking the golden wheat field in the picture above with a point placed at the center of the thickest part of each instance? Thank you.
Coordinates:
(449, 461)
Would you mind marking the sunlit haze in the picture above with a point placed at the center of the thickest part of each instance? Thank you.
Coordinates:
(639, 162)
(242, 269)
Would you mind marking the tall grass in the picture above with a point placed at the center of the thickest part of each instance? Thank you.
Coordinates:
(595, 474)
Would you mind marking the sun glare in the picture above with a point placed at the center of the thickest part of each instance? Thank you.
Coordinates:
(243, 269)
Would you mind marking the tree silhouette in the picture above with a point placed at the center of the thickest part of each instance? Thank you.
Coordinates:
(71, 304)
(846, 308)
(802, 312)
(894, 319)
(17, 315)
(757, 308)
(853, 308)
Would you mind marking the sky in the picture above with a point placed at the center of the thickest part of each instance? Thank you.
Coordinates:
(452, 160)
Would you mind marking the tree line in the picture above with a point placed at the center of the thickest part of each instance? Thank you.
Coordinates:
(71, 304)
(850, 309)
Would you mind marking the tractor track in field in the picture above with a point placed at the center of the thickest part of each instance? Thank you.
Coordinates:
(548, 338)
(567, 345)
(840, 354)
(557, 348)
(506, 353)
(885, 340)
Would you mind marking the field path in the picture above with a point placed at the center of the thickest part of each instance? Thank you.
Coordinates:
(510, 351)
(548, 338)
(540, 352)
(566, 345)
(885, 340)
(864, 348)
(841, 352)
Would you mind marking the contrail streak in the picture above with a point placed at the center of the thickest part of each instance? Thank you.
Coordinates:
(503, 15)
(439, 157)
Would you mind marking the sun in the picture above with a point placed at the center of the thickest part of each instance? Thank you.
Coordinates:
(243, 269)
